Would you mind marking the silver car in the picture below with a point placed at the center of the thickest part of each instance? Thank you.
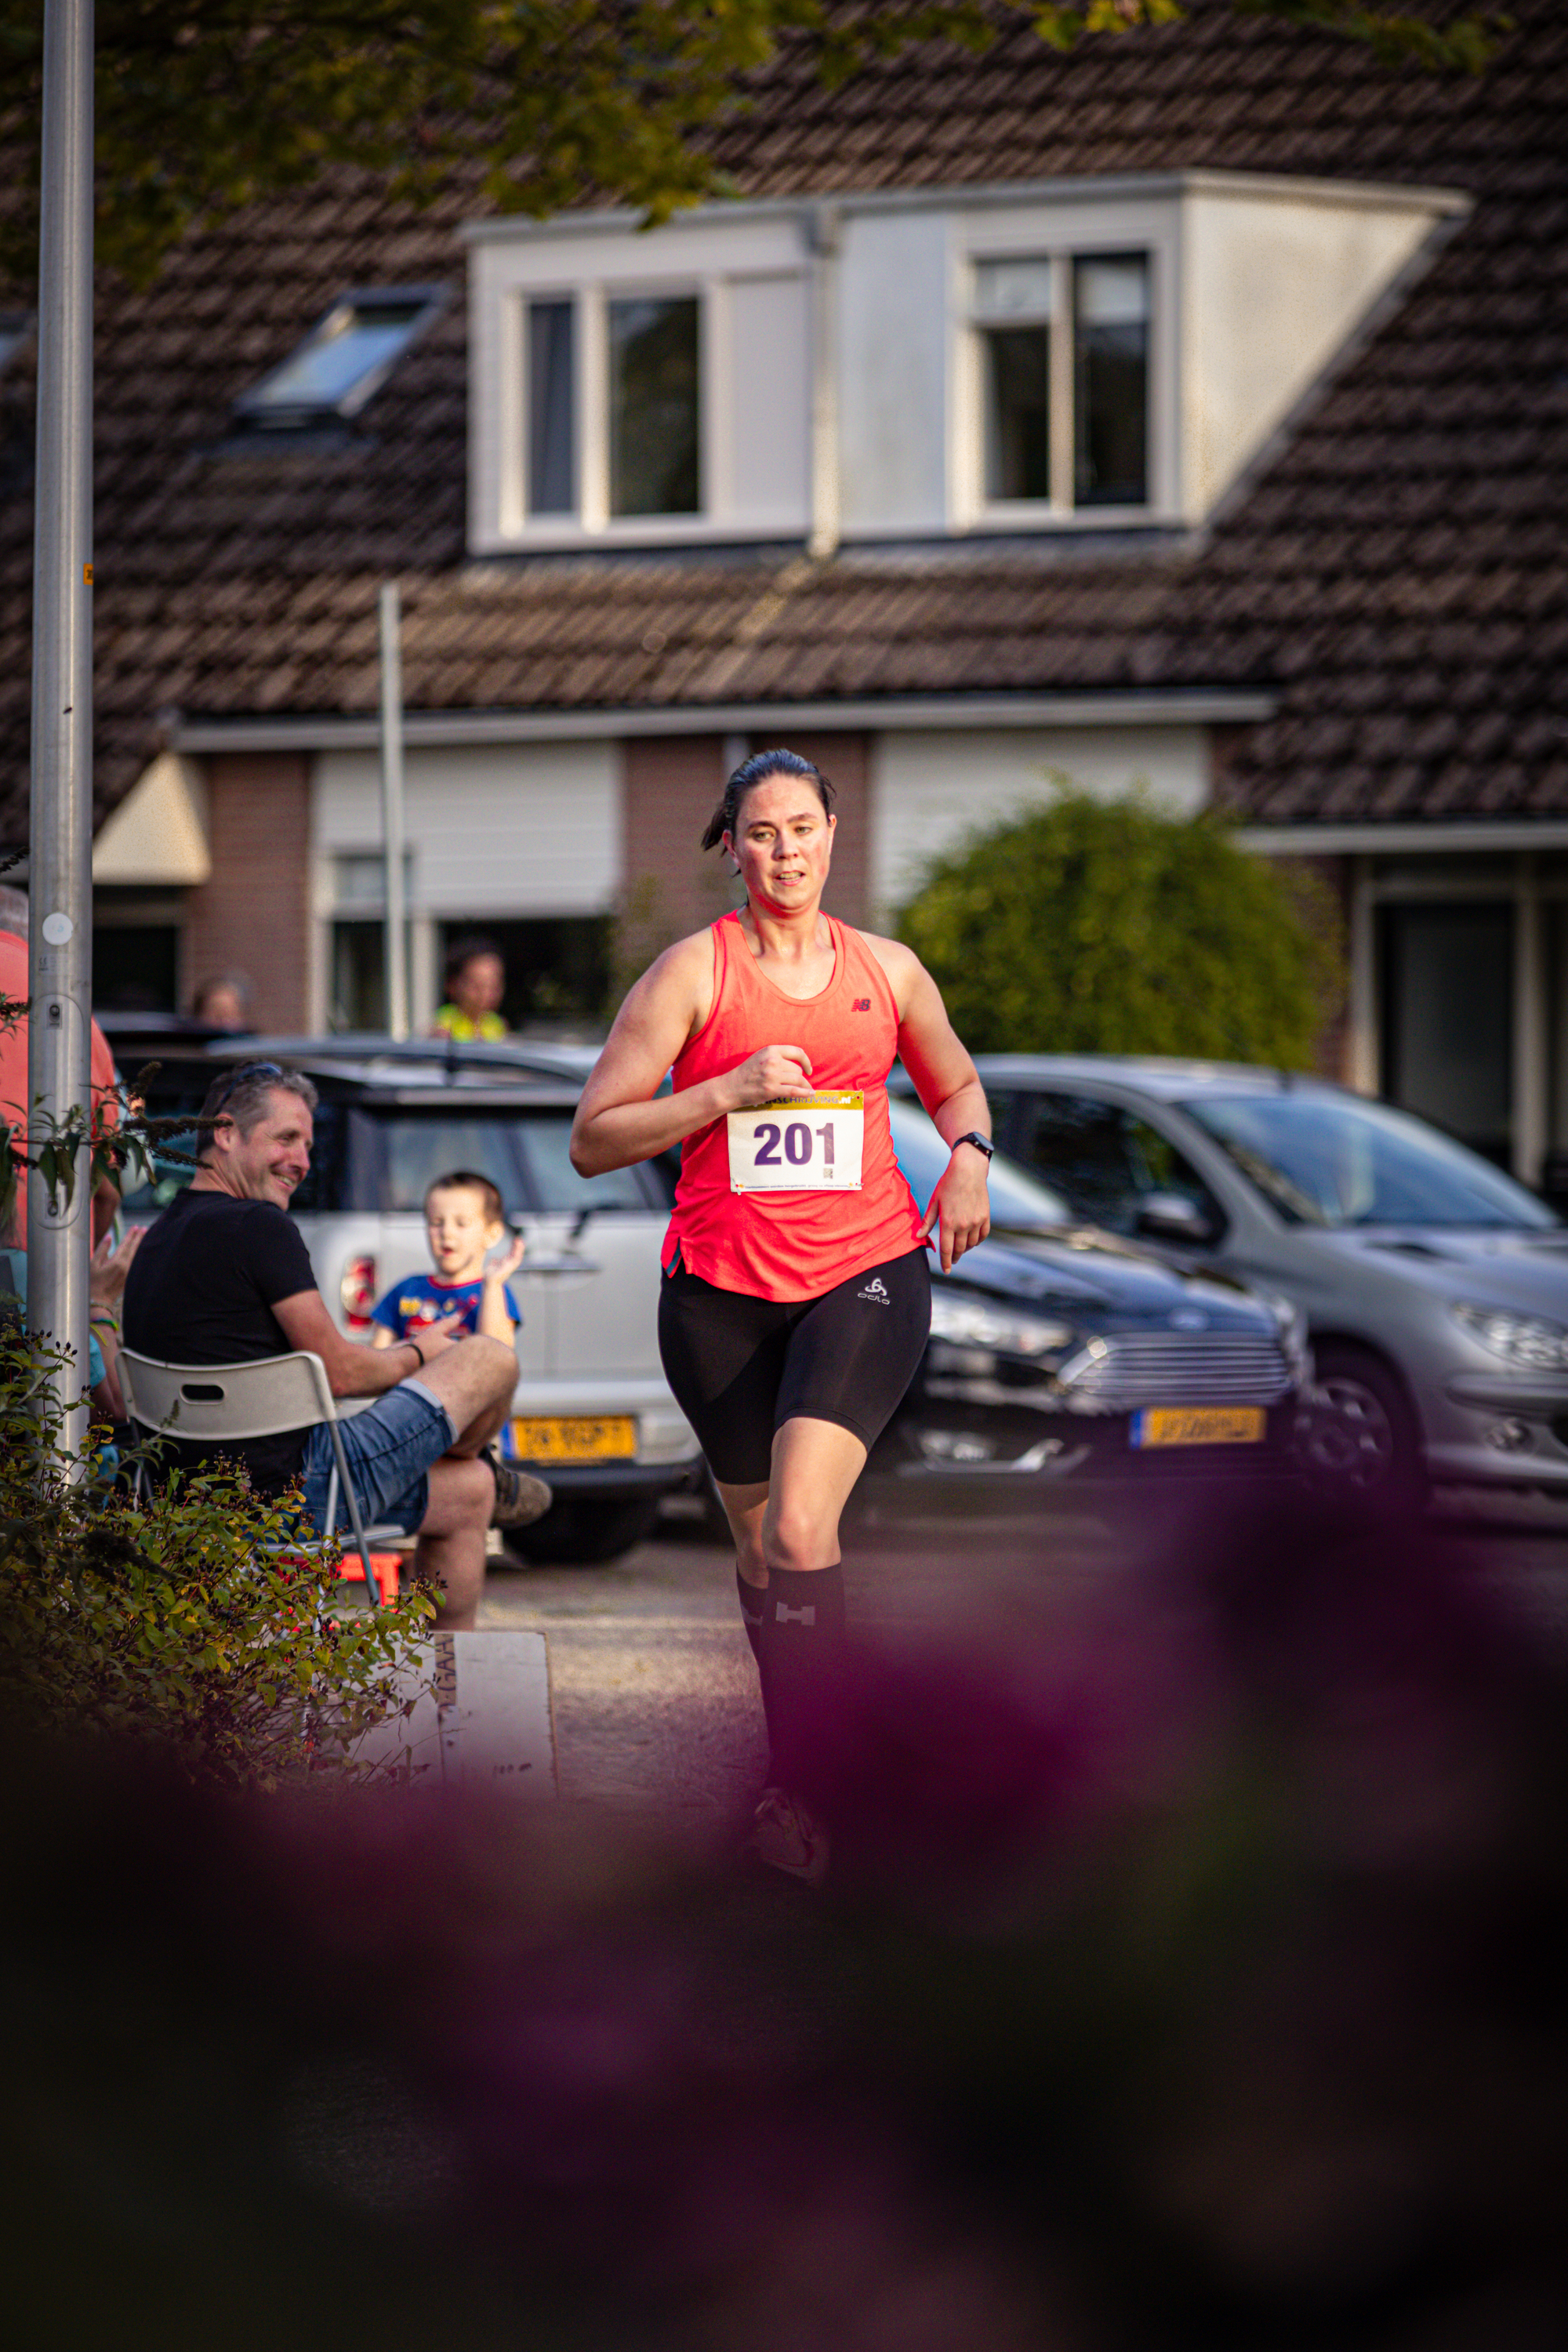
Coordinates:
(1436, 1288)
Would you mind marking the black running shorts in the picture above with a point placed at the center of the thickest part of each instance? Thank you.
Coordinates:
(741, 1366)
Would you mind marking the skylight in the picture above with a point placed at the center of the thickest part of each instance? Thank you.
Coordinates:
(345, 358)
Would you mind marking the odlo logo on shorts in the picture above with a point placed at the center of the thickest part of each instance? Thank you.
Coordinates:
(874, 1289)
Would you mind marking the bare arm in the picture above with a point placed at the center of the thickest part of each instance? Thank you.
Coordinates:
(622, 1118)
(948, 1085)
(106, 1295)
(353, 1368)
(380, 1337)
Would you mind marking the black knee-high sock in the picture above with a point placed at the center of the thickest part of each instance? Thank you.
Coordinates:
(802, 1641)
(754, 1601)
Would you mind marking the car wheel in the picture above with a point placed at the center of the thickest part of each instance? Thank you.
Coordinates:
(580, 1531)
(1359, 1437)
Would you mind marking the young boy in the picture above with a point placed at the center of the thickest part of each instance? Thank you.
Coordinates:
(463, 1222)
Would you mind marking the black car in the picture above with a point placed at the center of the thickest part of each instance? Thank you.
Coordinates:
(1059, 1353)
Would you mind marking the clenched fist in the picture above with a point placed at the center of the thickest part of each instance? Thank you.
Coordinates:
(772, 1074)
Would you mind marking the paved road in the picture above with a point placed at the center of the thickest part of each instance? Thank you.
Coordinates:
(655, 1695)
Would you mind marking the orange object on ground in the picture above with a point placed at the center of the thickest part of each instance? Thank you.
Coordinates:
(387, 1567)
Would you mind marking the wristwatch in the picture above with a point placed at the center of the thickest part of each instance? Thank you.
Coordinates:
(981, 1142)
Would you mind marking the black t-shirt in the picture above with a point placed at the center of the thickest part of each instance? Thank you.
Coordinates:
(201, 1290)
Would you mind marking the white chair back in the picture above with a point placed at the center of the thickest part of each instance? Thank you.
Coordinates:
(218, 1404)
(211, 1402)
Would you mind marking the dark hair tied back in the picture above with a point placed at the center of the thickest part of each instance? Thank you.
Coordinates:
(756, 771)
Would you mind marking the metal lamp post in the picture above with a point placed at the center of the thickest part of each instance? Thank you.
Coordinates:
(392, 825)
(60, 862)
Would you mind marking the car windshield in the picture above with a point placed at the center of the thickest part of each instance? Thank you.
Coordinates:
(1016, 1199)
(1326, 1159)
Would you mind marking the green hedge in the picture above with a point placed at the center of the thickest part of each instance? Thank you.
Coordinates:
(1106, 927)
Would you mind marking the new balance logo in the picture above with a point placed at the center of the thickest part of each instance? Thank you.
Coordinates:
(875, 1289)
(784, 1615)
(862, 1005)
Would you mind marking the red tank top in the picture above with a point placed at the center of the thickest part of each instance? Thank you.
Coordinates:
(793, 1245)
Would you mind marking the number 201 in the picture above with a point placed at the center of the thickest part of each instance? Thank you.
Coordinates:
(798, 1141)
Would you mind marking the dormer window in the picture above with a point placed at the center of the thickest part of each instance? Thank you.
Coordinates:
(345, 359)
(640, 391)
(1065, 358)
(651, 459)
(1064, 347)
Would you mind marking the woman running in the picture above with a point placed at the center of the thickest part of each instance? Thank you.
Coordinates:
(796, 1297)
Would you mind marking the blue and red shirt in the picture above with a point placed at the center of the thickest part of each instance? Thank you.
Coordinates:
(415, 1304)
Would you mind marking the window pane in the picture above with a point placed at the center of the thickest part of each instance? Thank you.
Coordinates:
(555, 1184)
(415, 1152)
(1013, 289)
(551, 468)
(653, 407)
(1331, 1161)
(1105, 1159)
(359, 975)
(353, 343)
(1111, 308)
(1019, 412)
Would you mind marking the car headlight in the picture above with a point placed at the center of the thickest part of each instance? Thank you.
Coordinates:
(1528, 1340)
(969, 1324)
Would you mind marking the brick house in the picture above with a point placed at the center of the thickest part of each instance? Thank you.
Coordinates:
(1192, 409)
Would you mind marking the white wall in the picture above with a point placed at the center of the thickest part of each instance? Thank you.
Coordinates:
(529, 829)
(930, 788)
(895, 344)
(1273, 284)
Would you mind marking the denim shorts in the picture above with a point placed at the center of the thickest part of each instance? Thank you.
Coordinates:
(390, 1447)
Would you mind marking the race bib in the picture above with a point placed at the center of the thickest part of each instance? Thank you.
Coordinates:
(811, 1145)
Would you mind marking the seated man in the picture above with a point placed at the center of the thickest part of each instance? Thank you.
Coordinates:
(223, 1277)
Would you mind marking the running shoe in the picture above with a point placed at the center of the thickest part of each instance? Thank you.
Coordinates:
(786, 1837)
(520, 1499)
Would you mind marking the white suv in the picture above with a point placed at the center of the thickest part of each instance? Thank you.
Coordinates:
(591, 1410)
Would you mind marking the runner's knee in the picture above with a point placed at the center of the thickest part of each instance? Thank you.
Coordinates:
(795, 1535)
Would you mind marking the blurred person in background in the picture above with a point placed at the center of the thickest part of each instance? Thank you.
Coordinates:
(475, 983)
(223, 1002)
(14, 1097)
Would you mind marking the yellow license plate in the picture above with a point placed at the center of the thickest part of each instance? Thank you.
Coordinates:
(601, 1438)
(1200, 1424)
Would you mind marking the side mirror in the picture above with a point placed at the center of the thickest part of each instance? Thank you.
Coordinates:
(1171, 1217)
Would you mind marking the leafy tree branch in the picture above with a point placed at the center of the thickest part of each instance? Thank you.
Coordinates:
(204, 105)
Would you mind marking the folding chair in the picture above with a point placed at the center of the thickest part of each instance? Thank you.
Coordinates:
(222, 1403)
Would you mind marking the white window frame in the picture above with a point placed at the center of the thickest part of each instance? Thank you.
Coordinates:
(591, 265)
(1063, 234)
